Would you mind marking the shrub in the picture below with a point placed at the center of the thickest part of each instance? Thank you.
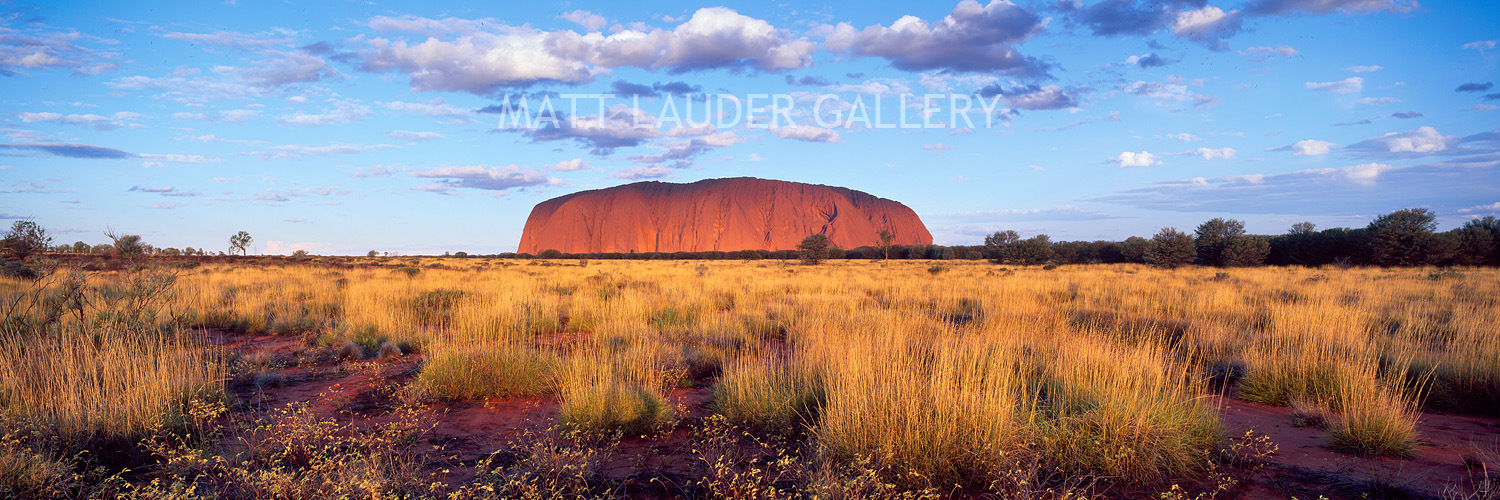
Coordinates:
(1375, 421)
(814, 248)
(504, 371)
(434, 308)
(769, 396)
(606, 407)
(1170, 248)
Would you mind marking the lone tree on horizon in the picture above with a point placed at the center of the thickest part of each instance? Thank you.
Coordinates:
(814, 248)
(240, 241)
(886, 237)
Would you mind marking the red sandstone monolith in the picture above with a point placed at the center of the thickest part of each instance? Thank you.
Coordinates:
(742, 213)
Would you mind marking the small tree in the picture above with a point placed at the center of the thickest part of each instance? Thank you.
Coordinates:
(240, 241)
(299, 254)
(1302, 229)
(1034, 250)
(1480, 241)
(1402, 238)
(814, 248)
(1133, 249)
(1214, 238)
(1246, 251)
(24, 239)
(126, 246)
(372, 254)
(886, 237)
(1170, 249)
(1000, 247)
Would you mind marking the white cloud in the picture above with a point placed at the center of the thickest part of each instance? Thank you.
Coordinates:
(754, 157)
(238, 115)
(414, 136)
(1128, 159)
(586, 19)
(570, 165)
(1364, 69)
(973, 38)
(807, 133)
(111, 122)
(435, 107)
(178, 158)
(1307, 147)
(646, 172)
(1364, 174)
(1421, 140)
(937, 147)
(1184, 137)
(1346, 86)
(296, 151)
(1211, 153)
(487, 178)
(1481, 45)
(1208, 25)
(485, 55)
(882, 87)
(343, 112)
(1266, 53)
(1379, 100)
(1493, 207)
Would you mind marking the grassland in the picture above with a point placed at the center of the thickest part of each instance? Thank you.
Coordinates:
(764, 379)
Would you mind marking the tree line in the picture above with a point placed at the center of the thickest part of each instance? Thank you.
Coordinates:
(1407, 237)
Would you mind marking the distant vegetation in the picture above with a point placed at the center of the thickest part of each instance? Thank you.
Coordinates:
(1406, 237)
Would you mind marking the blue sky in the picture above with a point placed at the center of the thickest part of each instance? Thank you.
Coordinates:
(341, 127)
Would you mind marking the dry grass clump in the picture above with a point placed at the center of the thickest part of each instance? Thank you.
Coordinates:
(604, 395)
(770, 395)
(472, 372)
(1375, 421)
(109, 388)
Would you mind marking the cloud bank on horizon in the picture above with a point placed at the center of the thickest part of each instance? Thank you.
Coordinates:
(342, 128)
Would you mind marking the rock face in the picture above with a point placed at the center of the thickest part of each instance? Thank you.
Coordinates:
(716, 214)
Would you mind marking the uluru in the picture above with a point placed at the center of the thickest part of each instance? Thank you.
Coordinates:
(743, 213)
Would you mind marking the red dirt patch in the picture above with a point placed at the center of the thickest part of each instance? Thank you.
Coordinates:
(1306, 467)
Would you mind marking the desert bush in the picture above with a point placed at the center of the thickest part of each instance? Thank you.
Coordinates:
(598, 401)
(485, 372)
(434, 308)
(770, 396)
(1375, 421)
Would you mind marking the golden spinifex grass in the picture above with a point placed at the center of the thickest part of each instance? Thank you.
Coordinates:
(469, 372)
(938, 378)
(89, 388)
